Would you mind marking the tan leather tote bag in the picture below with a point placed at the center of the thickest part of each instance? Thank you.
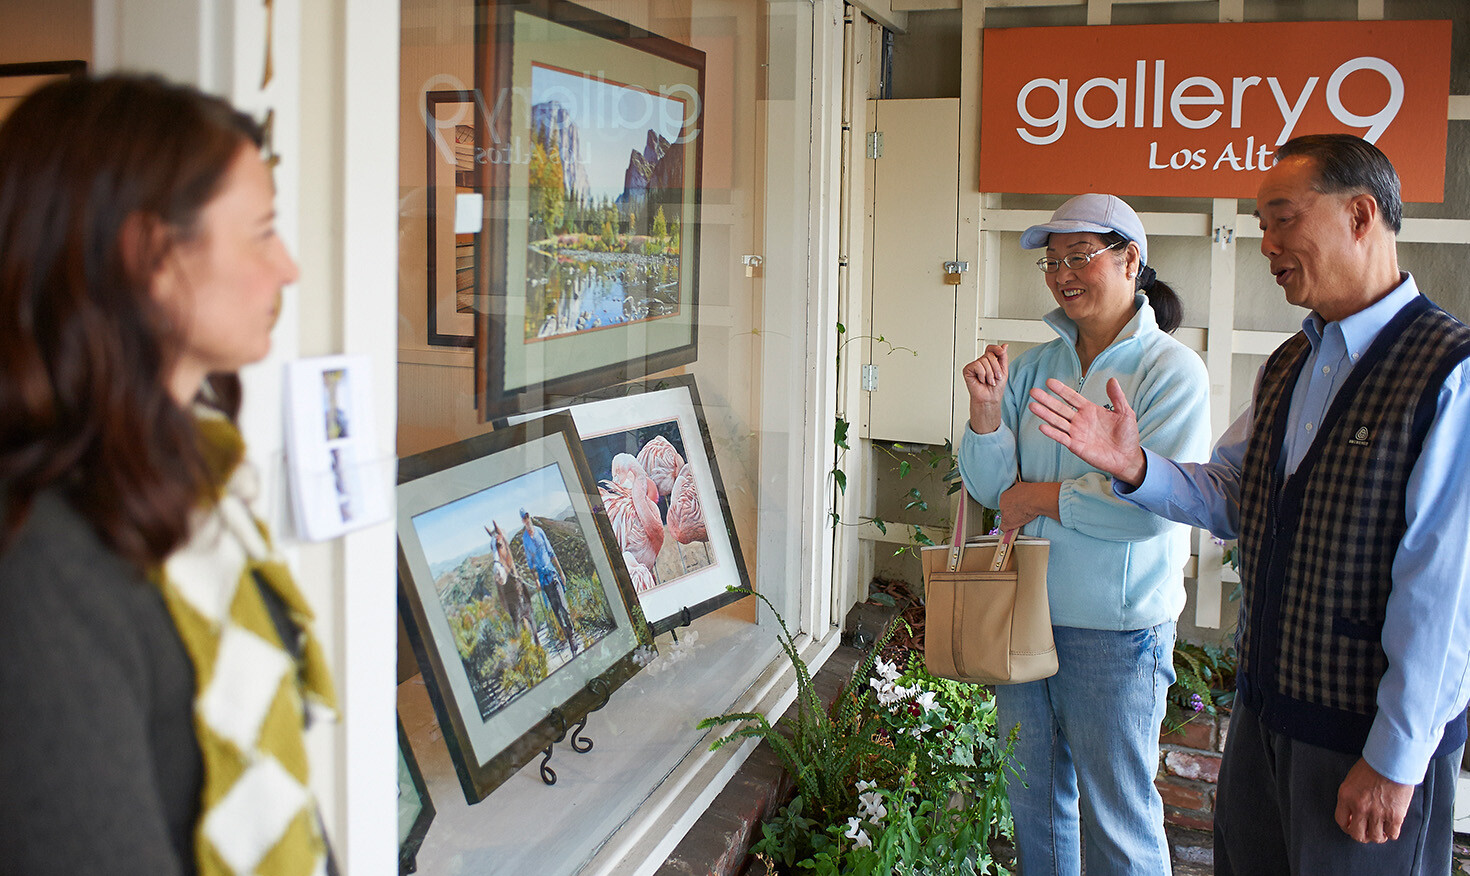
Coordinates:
(982, 624)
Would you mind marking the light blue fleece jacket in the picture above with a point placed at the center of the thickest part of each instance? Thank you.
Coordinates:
(1113, 566)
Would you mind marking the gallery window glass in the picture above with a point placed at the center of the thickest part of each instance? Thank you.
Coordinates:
(602, 344)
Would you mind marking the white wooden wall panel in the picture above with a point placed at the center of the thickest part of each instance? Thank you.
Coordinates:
(915, 210)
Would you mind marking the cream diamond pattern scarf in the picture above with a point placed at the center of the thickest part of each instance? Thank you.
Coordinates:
(252, 696)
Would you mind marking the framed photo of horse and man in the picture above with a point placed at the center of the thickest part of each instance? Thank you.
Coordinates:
(520, 615)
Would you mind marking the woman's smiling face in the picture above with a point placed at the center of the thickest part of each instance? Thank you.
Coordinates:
(1101, 289)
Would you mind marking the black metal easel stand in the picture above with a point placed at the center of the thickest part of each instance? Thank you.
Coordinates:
(580, 744)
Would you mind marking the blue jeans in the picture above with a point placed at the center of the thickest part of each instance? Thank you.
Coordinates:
(1089, 746)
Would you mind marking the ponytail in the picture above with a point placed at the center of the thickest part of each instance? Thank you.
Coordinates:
(1168, 309)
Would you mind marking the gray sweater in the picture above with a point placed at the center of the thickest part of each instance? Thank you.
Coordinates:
(99, 767)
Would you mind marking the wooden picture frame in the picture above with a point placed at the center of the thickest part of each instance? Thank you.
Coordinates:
(18, 80)
(514, 648)
(592, 243)
(450, 120)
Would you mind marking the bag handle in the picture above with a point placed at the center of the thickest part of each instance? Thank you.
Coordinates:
(957, 542)
(1003, 552)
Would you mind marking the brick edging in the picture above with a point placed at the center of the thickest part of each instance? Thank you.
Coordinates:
(1189, 768)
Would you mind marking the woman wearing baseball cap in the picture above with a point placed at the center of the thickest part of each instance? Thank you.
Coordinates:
(1088, 742)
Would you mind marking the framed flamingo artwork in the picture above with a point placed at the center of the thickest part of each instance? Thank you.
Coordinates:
(514, 594)
(649, 450)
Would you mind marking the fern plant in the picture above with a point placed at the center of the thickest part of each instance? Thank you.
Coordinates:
(903, 770)
(825, 745)
(1204, 684)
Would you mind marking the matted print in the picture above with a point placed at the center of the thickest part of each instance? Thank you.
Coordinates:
(511, 592)
(649, 450)
(594, 216)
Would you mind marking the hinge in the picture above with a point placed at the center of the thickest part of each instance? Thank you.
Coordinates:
(870, 378)
(875, 144)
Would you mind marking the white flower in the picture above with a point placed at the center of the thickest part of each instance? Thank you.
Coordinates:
(926, 700)
(865, 785)
(855, 832)
(872, 804)
(887, 671)
(888, 693)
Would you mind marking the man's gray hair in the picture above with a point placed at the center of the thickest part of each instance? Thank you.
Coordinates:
(1350, 164)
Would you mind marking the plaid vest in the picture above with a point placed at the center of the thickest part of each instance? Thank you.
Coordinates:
(1317, 548)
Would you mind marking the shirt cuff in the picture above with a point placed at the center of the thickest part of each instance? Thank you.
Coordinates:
(1001, 434)
(1066, 493)
(1396, 758)
(1155, 484)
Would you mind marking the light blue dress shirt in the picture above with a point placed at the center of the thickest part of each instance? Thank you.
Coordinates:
(1426, 630)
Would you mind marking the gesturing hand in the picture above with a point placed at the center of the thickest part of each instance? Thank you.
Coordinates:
(1104, 439)
(985, 380)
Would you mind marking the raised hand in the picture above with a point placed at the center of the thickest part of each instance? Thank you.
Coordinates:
(985, 380)
(1104, 439)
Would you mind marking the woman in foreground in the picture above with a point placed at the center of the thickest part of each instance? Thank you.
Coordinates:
(157, 666)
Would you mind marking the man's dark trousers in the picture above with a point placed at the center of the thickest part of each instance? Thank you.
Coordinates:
(1276, 803)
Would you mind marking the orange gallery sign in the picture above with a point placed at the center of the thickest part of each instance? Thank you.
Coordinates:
(1197, 110)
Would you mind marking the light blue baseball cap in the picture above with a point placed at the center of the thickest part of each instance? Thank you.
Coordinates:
(1098, 214)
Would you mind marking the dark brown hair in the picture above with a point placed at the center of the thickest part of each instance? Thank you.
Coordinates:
(99, 179)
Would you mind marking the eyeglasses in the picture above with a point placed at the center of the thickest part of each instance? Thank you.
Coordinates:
(1074, 261)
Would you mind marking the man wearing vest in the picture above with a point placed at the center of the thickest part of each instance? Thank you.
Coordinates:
(1347, 485)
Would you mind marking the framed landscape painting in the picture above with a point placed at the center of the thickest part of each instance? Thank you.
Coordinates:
(593, 241)
(649, 450)
(511, 594)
